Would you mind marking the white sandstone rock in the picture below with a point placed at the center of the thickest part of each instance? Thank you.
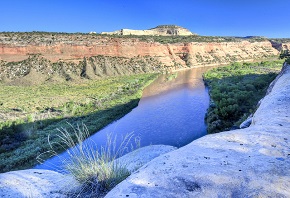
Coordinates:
(44, 183)
(141, 156)
(35, 183)
(247, 122)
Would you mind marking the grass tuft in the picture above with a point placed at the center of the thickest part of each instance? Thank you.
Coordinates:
(95, 169)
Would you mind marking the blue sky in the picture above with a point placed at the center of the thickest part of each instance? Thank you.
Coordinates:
(268, 18)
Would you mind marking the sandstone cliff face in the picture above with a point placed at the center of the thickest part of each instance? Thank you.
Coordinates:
(214, 53)
(281, 44)
(170, 56)
(286, 46)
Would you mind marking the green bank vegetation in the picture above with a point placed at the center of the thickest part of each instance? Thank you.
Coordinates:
(285, 54)
(235, 91)
(34, 112)
(55, 37)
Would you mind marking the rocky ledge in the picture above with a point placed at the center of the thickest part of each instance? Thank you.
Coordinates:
(45, 183)
(250, 162)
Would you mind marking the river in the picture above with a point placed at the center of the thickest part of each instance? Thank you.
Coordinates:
(170, 112)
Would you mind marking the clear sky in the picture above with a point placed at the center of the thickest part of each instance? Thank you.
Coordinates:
(270, 18)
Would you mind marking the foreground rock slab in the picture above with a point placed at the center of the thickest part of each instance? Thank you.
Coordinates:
(35, 183)
(251, 162)
(45, 183)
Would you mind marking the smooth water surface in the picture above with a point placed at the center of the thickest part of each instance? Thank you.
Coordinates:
(170, 112)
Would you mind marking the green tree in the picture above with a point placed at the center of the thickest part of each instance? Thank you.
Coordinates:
(285, 54)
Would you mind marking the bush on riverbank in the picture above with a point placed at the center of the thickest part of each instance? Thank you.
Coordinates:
(45, 108)
(285, 54)
(235, 91)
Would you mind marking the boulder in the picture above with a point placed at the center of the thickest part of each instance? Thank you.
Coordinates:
(247, 122)
(35, 183)
(134, 160)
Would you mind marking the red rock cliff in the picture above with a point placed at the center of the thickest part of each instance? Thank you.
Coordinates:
(177, 55)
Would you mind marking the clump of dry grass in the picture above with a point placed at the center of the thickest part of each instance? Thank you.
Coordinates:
(95, 169)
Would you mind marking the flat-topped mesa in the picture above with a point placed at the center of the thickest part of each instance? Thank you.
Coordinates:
(160, 30)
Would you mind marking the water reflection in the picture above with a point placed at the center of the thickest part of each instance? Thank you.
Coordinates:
(171, 112)
(190, 79)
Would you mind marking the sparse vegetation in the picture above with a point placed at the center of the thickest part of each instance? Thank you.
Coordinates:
(95, 169)
(187, 39)
(280, 40)
(51, 38)
(38, 69)
(235, 91)
(38, 110)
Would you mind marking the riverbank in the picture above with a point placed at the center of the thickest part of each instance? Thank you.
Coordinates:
(44, 108)
(251, 162)
(170, 112)
(235, 91)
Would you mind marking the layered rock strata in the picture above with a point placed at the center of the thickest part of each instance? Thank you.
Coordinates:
(133, 53)
(38, 69)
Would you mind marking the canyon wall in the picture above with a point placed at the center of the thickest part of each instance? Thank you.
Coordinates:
(109, 55)
(281, 44)
(184, 54)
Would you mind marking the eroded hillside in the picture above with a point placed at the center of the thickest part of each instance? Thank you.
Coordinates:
(37, 69)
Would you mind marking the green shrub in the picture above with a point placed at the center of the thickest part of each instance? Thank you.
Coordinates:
(285, 54)
(235, 90)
